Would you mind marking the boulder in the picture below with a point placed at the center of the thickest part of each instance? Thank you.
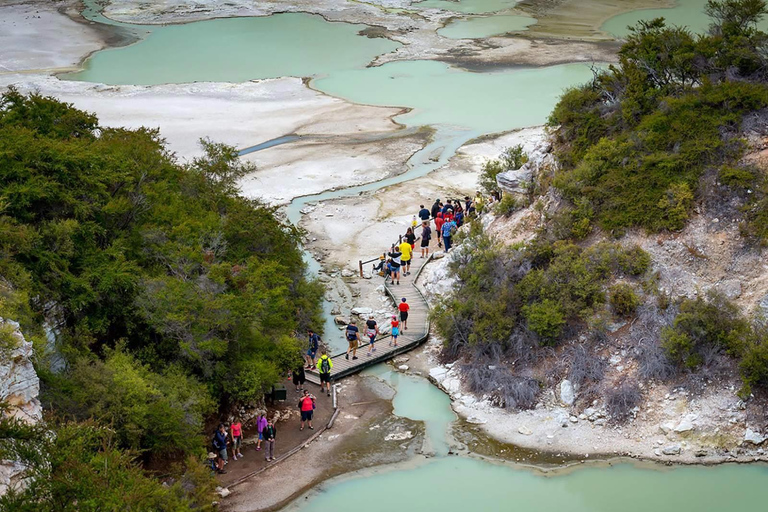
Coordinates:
(340, 320)
(348, 273)
(567, 395)
(403, 367)
(750, 436)
(361, 311)
(731, 288)
(685, 425)
(672, 449)
(516, 182)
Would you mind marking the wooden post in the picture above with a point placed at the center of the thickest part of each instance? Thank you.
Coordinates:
(360, 262)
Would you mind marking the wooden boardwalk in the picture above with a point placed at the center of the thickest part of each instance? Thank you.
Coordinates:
(417, 333)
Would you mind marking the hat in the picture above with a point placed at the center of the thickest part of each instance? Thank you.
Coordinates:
(211, 455)
(403, 299)
(394, 316)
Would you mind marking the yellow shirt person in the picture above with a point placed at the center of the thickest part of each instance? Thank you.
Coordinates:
(406, 249)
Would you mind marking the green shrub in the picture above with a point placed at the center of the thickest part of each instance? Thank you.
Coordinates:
(634, 261)
(545, 318)
(623, 299)
(506, 206)
(754, 363)
(737, 177)
(511, 159)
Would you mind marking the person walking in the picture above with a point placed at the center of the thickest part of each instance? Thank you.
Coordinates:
(448, 207)
(314, 344)
(299, 377)
(395, 255)
(324, 366)
(261, 424)
(424, 213)
(448, 229)
(403, 307)
(270, 432)
(220, 444)
(395, 330)
(406, 251)
(426, 236)
(439, 221)
(353, 338)
(307, 407)
(436, 208)
(410, 237)
(371, 330)
(236, 430)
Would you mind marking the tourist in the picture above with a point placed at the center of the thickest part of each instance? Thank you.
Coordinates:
(459, 218)
(424, 213)
(220, 444)
(448, 228)
(353, 338)
(299, 377)
(410, 237)
(324, 366)
(469, 206)
(477, 204)
(395, 330)
(439, 221)
(261, 424)
(314, 344)
(426, 236)
(269, 438)
(372, 330)
(404, 308)
(307, 407)
(395, 254)
(236, 430)
(448, 207)
(436, 208)
(406, 251)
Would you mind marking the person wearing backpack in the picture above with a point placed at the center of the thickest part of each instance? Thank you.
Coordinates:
(220, 444)
(269, 439)
(426, 236)
(324, 366)
(314, 344)
(448, 229)
(353, 338)
(307, 407)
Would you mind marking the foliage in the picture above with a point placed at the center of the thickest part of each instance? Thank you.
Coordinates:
(511, 158)
(506, 206)
(754, 362)
(635, 141)
(621, 399)
(172, 295)
(623, 299)
(711, 323)
(79, 467)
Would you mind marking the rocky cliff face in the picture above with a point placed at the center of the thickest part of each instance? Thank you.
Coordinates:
(19, 389)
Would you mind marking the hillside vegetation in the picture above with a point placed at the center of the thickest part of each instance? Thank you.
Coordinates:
(641, 146)
(155, 295)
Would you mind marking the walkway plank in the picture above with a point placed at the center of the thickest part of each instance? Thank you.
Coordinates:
(417, 333)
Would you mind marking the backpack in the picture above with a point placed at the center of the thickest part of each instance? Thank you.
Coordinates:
(325, 365)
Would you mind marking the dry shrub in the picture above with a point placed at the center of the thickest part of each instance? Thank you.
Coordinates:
(506, 390)
(621, 399)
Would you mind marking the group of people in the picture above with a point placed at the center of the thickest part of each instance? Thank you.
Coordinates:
(352, 332)
(229, 437)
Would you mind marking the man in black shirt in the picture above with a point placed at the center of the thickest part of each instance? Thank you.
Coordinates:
(435, 208)
(424, 213)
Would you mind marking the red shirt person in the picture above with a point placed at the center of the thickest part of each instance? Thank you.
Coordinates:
(404, 308)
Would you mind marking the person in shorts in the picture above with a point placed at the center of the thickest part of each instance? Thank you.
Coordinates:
(324, 366)
(220, 444)
(395, 330)
(314, 344)
(352, 334)
(307, 407)
(371, 330)
(261, 424)
(403, 307)
(236, 431)
(426, 236)
(406, 251)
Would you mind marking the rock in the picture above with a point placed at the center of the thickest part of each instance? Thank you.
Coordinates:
(657, 452)
(566, 392)
(615, 359)
(348, 273)
(398, 436)
(667, 427)
(438, 373)
(452, 385)
(476, 421)
(750, 436)
(672, 449)
(525, 430)
(223, 491)
(403, 367)
(401, 359)
(700, 453)
(360, 311)
(516, 182)
(340, 320)
(762, 306)
(731, 288)
(685, 425)
(574, 419)
(336, 310)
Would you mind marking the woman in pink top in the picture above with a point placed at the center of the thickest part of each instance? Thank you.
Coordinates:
(261, 424)
(236, 430)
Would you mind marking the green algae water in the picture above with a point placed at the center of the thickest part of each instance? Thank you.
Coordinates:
(686, 13)
(236, 50)
(440, 94)
(485, 26)
(467, 6)
(460, 484)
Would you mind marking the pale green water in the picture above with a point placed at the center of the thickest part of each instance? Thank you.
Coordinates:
(440, 94)
(459, 484)
(236, 50)
(467, 6)
(687, 13)
(486, 26)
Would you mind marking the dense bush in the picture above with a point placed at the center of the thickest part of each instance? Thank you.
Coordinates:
(171, 295)
(75, 467)
(623, 299)
(635, 141)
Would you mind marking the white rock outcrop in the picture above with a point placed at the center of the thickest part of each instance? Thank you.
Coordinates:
(19, 389)
(567, 395)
